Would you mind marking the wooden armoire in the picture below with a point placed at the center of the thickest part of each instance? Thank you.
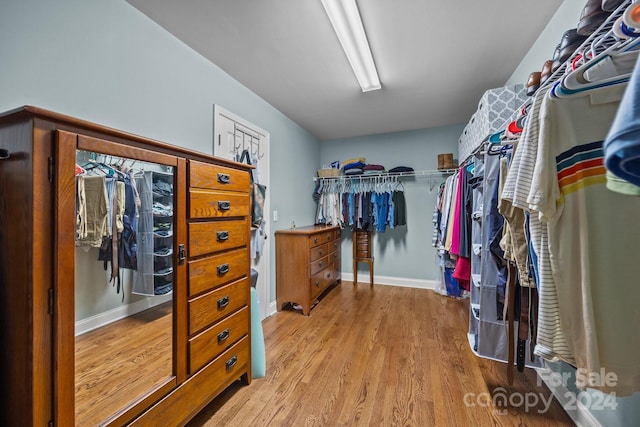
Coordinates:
(203, 325)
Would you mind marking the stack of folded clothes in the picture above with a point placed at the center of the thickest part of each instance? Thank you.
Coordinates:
(353, 166)
(372, 169)
(401, 169)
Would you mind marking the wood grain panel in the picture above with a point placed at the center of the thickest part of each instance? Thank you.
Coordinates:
(186, 401)
(215, 177)
(210, 343)
(217, 204)
(180, 273)
(213, 306)
(214, 236)
(98, 145)
(211, 272)
(64, 270)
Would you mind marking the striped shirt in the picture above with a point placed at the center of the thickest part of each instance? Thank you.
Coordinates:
(551, 343)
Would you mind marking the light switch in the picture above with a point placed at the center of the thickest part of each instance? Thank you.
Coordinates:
(275, 216)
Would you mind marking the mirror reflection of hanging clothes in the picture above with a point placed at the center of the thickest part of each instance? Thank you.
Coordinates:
(106, 215)
(93, 210)
(127, 253)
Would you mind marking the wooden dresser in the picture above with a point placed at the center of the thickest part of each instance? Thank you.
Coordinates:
(179, 350)
(307, 263)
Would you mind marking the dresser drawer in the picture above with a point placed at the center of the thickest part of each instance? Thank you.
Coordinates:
(321, 280)
(211, 272)
(203, 175)
(316, 283)
(362, 238)
(217, 204)
(362, 252)
(319, 265)
(318, 252)
(213, 306)
(209, 237)
(209, 344)
(334, 246)
(331, 259)
(227, 367)
(321, 238)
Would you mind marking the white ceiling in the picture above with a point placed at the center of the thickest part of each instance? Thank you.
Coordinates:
(435, 58)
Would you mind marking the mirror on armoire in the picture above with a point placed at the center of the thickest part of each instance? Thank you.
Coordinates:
(123, 283)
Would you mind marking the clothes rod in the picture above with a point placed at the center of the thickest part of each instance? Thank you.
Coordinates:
(388, 175)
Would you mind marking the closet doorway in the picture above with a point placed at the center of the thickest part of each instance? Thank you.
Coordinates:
(233, 134)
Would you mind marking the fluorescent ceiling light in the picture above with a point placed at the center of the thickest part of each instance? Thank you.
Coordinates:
(345, 18)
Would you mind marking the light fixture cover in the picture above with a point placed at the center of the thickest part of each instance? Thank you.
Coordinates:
(345, 18)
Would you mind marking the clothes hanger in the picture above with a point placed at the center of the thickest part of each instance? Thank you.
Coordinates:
(92, 167)
(575, 81)
(498, 150)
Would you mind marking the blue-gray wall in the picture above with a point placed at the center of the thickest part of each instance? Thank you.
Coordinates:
(405, 252)
(567, 16)
(106, 62)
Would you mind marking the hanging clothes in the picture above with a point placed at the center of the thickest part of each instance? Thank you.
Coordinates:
(369, 204)
(551, 342)
(593, 235)
(93, 211)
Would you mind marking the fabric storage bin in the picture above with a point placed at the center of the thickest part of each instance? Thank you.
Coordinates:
(495, 108)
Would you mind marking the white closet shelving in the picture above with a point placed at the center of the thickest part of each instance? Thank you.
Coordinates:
(434, 177)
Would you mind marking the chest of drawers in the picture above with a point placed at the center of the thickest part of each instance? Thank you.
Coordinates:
(307, 263)
(218, 294)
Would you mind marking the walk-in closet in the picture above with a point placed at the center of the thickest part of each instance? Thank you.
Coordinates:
(325, 212)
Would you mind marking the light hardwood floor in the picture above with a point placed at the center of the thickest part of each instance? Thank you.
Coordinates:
(381, 356)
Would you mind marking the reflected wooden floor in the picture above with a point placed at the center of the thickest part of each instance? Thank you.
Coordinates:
(120, 362)
(387, 356)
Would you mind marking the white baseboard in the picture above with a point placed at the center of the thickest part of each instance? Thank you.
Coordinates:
(102, 319)
(580, 414)
(393, 281)
(273, 308)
